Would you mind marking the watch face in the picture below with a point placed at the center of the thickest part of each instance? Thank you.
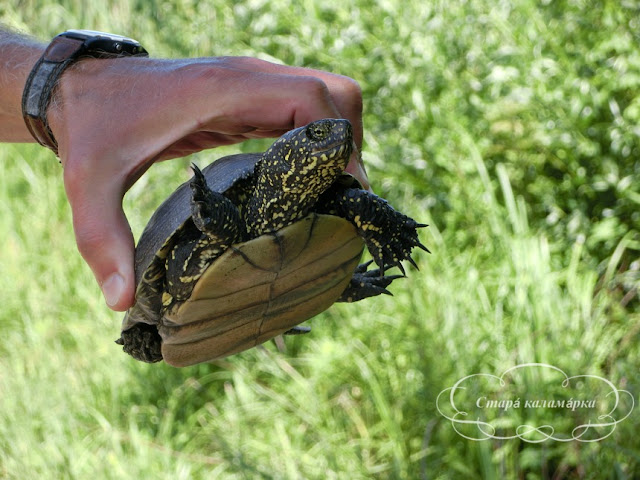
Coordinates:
(102, 44)
(84, 34)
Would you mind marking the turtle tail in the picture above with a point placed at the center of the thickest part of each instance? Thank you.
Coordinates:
(142, 342)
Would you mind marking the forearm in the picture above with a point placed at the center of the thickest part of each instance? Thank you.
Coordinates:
(18, 54)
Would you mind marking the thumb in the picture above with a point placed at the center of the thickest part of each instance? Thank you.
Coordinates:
(104, 237)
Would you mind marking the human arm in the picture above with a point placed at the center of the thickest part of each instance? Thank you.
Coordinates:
(18, 54)
(114, 118)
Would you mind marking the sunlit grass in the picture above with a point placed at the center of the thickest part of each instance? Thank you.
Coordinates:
(452, 139)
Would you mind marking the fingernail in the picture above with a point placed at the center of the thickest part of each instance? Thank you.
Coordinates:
(112, 289)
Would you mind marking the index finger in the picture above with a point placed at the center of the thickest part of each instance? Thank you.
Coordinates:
(344, 91)
(345, 94)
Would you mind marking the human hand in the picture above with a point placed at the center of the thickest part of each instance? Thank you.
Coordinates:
(114, 118)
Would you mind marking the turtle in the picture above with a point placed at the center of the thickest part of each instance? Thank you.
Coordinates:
(255, 244)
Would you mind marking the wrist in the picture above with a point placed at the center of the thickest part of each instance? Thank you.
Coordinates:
(17, 57)
(74, 89)
(64, 50)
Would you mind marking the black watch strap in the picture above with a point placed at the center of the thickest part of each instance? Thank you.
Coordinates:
(40, 84)
(63, 50)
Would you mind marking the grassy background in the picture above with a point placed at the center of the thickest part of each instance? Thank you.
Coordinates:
(511, 127)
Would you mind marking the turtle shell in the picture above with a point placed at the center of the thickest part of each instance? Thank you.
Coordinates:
(255, 290)
(259, 289)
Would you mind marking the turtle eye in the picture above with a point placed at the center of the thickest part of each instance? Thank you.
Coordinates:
(318, 131)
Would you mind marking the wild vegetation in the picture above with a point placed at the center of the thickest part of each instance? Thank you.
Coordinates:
(511, 127)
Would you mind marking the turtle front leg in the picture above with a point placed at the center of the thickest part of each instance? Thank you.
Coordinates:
(389, 235)
(218, 224)
(367, 283)
(213, 213)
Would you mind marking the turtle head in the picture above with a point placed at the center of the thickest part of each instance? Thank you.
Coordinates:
(296, 170)
(307, 160)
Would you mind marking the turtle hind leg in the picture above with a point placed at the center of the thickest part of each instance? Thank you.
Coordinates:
(142, 342)
(389, 235)
(367, 283)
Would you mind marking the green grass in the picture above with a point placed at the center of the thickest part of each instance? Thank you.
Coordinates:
(512, 128)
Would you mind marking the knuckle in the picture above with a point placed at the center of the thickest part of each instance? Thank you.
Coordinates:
(351, 87)
(315, 87)
(351, 94)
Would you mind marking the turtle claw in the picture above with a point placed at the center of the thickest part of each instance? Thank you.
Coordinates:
(198, 184)
(367, 283)
(402, 236)
(362, 268)
(417, 242)
(421, 246)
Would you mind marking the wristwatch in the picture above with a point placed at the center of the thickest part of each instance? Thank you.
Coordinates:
(63, 50)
